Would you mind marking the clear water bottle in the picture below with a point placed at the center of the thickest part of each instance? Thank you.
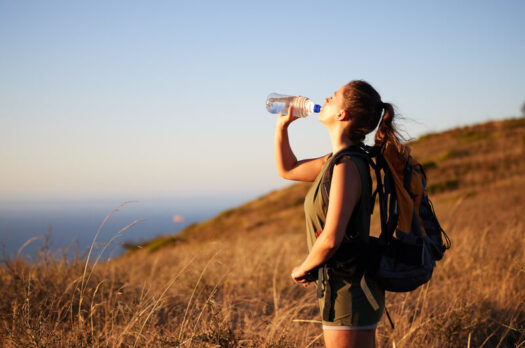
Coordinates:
(302, 106)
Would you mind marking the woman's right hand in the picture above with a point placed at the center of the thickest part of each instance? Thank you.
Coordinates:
(301, 277)
(284, 121)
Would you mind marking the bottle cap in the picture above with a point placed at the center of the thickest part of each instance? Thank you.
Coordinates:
(317, 108)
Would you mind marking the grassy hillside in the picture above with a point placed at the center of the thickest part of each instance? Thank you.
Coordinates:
(463, 160)
(225, 282)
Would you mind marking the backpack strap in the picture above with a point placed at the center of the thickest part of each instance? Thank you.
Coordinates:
(323, 285)
(326, 180)
(387, 196)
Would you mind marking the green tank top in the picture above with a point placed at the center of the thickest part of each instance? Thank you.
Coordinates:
(346, 260)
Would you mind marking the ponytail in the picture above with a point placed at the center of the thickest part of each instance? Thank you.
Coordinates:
(387, 132)
(364, 105)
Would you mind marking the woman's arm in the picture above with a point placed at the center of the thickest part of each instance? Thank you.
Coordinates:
(345, 191)
(287, 165)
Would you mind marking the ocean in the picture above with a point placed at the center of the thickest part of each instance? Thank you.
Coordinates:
(68, 227)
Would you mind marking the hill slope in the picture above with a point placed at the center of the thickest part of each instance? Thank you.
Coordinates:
(226, 282)
(461, 161)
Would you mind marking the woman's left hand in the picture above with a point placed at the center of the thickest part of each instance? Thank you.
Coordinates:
(299, 276)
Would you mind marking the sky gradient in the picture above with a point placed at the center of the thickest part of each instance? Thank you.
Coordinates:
(128, 99)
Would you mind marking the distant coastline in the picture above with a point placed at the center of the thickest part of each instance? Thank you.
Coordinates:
(72, 224)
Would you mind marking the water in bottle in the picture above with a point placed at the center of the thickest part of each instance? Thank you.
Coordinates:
(302, 106)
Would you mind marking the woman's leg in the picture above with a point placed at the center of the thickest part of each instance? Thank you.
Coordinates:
(349, 338)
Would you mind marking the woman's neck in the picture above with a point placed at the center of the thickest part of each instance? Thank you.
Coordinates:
(339, 140)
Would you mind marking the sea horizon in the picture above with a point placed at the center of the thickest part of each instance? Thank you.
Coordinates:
(71, 224)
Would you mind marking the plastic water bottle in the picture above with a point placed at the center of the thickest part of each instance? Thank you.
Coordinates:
(302, 106)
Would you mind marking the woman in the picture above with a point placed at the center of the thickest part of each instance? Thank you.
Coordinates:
(336, 234)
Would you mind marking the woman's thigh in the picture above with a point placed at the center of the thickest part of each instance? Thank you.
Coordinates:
(349, 338)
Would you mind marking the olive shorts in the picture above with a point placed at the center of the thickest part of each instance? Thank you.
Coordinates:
(349, 305)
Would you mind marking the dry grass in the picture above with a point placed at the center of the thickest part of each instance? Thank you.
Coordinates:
(233, 289)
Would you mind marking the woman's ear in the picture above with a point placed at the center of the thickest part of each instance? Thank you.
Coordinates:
(342, 116)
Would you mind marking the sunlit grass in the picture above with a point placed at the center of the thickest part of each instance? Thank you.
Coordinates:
(229, 284)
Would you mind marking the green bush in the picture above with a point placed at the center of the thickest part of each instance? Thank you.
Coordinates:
(470, 194)
(447, 185)
(160, 242)
(427, 165)
(454, 153)
(472, 135)
(514, 123)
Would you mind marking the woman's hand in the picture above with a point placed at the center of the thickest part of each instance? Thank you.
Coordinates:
(300, 277)
(284, 121)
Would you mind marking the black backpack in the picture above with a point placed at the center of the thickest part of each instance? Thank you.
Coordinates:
(403, 257)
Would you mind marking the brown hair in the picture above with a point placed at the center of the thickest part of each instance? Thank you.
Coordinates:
(364, 106)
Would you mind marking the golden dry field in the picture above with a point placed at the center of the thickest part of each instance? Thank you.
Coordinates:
(226, 282)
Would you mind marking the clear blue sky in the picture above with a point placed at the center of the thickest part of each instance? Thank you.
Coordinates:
(157, 98)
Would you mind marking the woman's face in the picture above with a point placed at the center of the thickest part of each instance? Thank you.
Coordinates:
(332, 106)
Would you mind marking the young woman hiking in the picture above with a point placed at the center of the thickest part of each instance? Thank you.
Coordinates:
(336, 234)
